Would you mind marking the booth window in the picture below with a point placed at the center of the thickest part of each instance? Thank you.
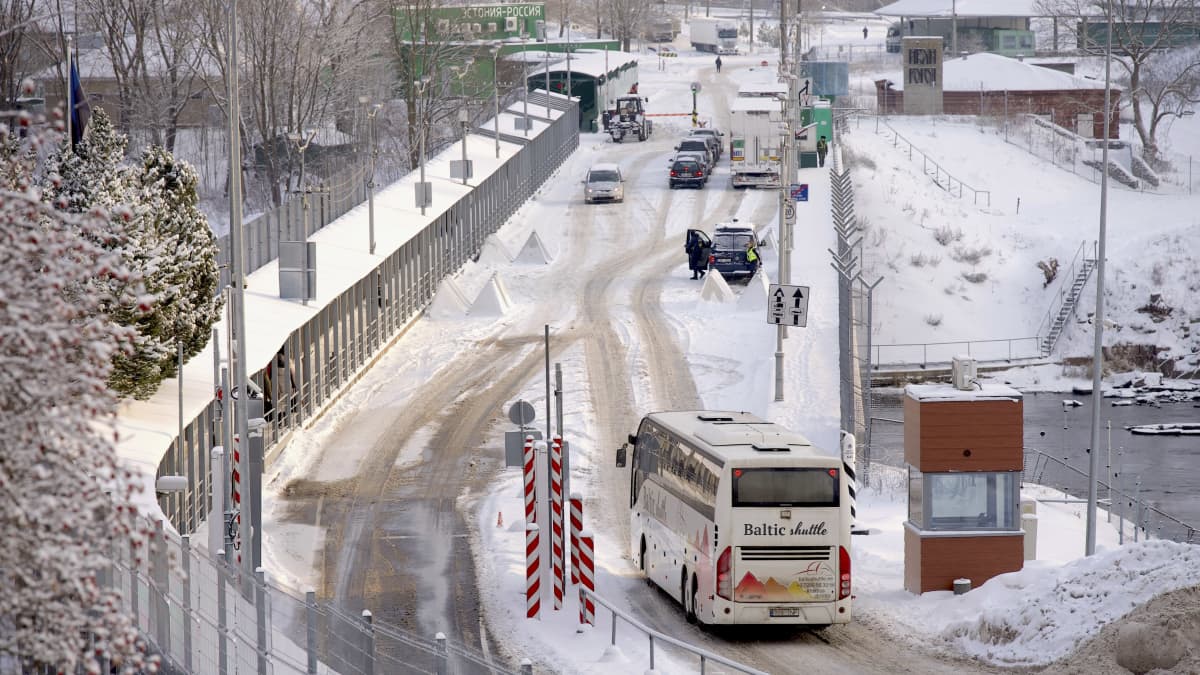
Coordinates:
(964, 501)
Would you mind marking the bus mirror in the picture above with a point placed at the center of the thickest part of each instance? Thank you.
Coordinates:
(621, 456)
(632, 439)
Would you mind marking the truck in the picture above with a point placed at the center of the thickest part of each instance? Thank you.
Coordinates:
(714, 35)
(627, 117)
(661, 28)
(755, 128)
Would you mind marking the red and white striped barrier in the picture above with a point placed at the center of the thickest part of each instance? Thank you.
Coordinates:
(533, 590)
(587, 580)
(530, 485)
(576, 526)
(556, 521)
(237, 499)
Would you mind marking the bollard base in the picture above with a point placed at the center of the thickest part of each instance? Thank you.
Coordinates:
(961, 586)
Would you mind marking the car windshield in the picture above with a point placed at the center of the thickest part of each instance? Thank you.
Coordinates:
(603, 177)
(734, 241)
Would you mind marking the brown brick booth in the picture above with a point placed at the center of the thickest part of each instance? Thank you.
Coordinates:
(963, 447)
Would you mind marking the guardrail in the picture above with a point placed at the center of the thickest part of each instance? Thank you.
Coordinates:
(923, 354)
(704, 656)
(928, 162)
(1146, 519)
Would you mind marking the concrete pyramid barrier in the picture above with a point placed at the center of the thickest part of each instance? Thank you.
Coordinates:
(716, 289)
(449, 302)
(533, 252)
(754, 298)
(494, 252)
(493, 299)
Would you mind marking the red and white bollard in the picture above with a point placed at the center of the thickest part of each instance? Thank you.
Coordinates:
(533, 589)
(576, 526)
(587, 580)
(556, 521)
(530, 486)
(236, 486)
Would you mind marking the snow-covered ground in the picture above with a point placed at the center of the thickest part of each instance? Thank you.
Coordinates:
(1029, 617)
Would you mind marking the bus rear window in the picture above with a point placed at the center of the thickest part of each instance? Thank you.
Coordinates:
(786, 487)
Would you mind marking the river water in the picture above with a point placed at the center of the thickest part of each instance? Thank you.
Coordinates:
(1163, 471)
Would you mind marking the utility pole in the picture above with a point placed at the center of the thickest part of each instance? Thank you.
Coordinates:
(251, 503)
(1098, 320)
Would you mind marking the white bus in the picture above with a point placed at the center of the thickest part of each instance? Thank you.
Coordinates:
(739, 519)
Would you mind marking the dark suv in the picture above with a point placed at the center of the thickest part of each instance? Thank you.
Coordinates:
(686, 172)
(698, 144)
(728, 253)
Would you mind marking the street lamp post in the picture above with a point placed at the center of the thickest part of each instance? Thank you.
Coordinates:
(374, 153)
(422, 110)
(302, 142)
(496, 92)
(548, 81)
(525, 84)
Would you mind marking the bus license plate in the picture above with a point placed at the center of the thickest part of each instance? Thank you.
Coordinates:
(785, 611)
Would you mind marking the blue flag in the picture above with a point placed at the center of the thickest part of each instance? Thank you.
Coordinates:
(78, 107)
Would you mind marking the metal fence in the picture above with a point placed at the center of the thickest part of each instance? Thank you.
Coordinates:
(1176, 174)
(324, 355)
(316, 362)
(200, 616)
(930, 167)
(1121, 498)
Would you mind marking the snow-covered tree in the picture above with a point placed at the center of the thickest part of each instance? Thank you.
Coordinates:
(183, 253)
(57, 455)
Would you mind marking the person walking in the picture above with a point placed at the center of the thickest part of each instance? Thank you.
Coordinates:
(697, 254)
(718, 64)
(822, 150)
(864, 32)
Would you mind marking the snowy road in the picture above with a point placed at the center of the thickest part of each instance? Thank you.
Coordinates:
(399, 474)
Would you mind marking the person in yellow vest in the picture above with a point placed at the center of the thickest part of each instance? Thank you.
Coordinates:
(751, 255)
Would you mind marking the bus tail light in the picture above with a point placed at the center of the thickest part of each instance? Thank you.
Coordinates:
(725, 574)
(843, 572)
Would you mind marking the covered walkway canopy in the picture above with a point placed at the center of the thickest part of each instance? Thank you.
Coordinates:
(597, 77)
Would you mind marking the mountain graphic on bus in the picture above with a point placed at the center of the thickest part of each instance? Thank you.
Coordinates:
(751, 589)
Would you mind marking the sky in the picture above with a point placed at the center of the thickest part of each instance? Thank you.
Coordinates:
(1046, 610)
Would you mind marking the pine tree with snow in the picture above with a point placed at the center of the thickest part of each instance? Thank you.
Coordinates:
(57, 454)
(92, 175)
(175, 232)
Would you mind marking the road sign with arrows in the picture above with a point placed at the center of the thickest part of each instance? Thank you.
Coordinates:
(787, 305)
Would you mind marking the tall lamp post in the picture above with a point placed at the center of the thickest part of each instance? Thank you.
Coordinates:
(496, 92)
(525, 84)
(302, 142)
(422, 84)
(1098, 321)
(373, 139)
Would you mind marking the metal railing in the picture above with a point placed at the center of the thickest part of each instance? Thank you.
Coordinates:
(1063, 294)
(652, 635)
(1147, 520)
(924, 354)
(953, 186)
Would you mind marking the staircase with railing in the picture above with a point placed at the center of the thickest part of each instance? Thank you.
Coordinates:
(1063, 307)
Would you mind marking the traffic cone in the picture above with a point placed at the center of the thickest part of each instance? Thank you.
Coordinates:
(499, 519)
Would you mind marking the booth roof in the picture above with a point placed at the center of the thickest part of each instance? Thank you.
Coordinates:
(961, 8)
(992, 72)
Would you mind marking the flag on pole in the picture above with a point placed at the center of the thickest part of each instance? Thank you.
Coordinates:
(77, 106)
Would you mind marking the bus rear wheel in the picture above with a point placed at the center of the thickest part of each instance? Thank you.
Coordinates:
(642, 562)
(688, 598)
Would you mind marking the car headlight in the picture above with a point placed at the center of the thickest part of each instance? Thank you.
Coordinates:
(590, 191)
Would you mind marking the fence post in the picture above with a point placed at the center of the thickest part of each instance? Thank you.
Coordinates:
(576, 526)
(369, 647)
(260, 607)
(159, 589)
(443, 656)
(222, 646)
(556, 521)
(533, 605)
(310, 630)
(134, 601)
(587, 579)
(186, 549)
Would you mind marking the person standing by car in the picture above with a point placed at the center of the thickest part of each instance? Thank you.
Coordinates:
(697, 254)
(751, 254)
(822, 150)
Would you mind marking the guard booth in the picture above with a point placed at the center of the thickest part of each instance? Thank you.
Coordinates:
(597, 77)
(963, 445)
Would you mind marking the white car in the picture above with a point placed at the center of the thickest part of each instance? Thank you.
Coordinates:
(604, 183)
